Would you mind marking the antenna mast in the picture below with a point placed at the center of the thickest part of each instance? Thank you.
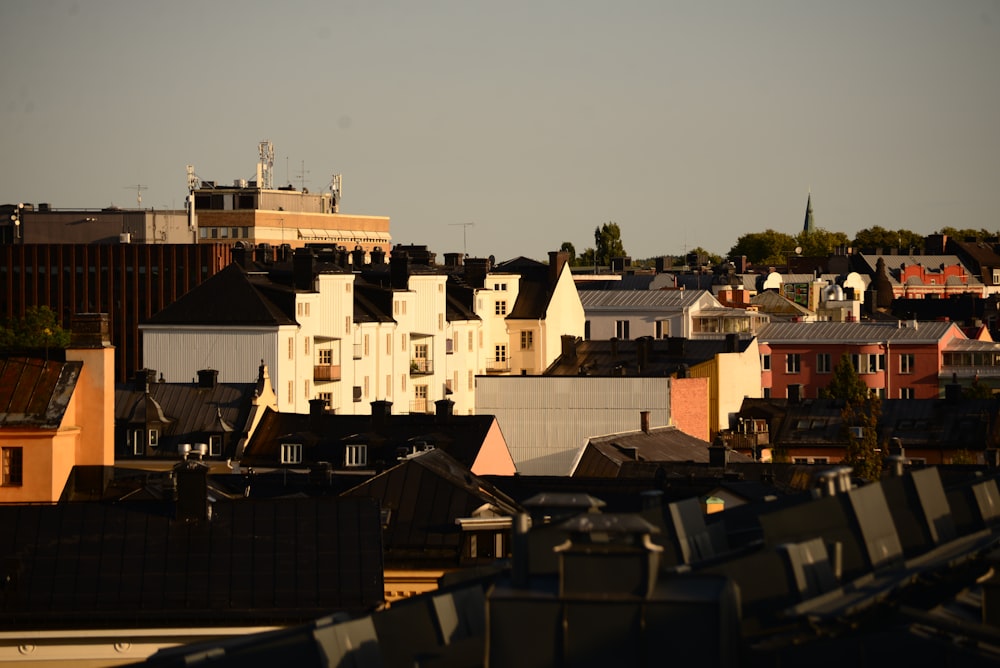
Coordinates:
(465, 227)
(138, 192)
(265, 168)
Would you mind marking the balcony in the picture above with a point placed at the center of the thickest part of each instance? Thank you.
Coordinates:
(326, 372)
(494, 365)
(421, 406)
(420, 366)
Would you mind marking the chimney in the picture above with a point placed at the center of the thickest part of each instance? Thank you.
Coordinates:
(443, 410)
(732, 342)
(378, 255)
(399, 270)
(303, 268)
(644, 421)
(557, 260)
(718, 455)
(240, 254)
(144, 378)
(358, 257)
(569, 346)
(90, 343)
(191, 491)
(453, 259)
(614, 347)
(340, 253)
(475, 272)
(317, 408)
(675, 345)
(207, 378)
(381, 410)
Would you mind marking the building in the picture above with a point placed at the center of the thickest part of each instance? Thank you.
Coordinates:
(128, 282)
(898, 360)
(55, 415)
(110, 225)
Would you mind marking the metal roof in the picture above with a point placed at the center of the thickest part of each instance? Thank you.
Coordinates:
(854, 332)
(595, 299)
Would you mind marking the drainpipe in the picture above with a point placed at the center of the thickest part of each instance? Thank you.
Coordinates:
(888, 376)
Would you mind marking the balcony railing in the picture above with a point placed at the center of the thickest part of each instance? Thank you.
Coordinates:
(420, 406)
(421, 366)
(494, 365)
(326, 372)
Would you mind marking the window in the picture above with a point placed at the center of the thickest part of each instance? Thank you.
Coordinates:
(866, 363)
(470, 342)
(449, 346)
(906, 361)
(501, 307)
(767, 392)
(765, 362)
(420, 363)
(306, 346)
(327, 398)
(291, 391)
(662, 329)
(357, 393)
(472, 380)
(138, 441)
(440, 321)
(291, 453)
(326, 357)
(366, 345)
(586, 330)
(11, 467)
(215, 446)
(305, 387)
(621, 329)
(347, 324)
(500, 287)
(907, 393)
(793, 364)
(527, 340)
(823, 363)
(501, 353)
(291, 348)
(366, 387)
(388, 344)
(153, 437)
(356, 455)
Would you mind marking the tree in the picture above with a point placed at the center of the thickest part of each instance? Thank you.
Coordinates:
(586, 258)
(39, 328)
(767, 247)
(966, 233)
(608, 243)
(977, 390)
(880, 237)
(820, 242)
(845, 383)
(571, 249)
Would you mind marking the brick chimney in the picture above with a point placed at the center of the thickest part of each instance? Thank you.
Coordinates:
(557, 260)
(303, 268)
(399, 270)
(644, 421)
(90, 343)
(381, 410)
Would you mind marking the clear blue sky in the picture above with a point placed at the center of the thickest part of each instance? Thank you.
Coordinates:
(687, 122)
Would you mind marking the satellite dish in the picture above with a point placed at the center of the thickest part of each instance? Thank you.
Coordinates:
(798, 250)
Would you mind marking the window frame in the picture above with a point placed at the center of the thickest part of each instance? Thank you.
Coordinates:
(290, 453)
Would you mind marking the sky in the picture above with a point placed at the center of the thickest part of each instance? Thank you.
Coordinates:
(508, 128)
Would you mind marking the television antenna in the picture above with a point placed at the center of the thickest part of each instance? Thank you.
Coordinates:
(465, 227)
(138, 192)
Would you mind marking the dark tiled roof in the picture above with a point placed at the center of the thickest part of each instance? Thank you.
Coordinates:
(460, 301)
(534, 289)
(326, 438)
(85, 565)
(668, 356)
(229, 298)
(424, 495)
(607, 455)
(35, 392)
(192, 411)
(372, 303)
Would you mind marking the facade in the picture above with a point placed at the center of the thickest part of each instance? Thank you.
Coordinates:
(546, 420)
(631, 314)
(56, 415)
(922, 276)
(899, 360)
(128, 282)
(111, 225)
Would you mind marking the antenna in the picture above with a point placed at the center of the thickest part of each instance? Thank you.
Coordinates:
(335, 188)
(465, 227)
(265, 167)
(302, 176)
(138, 192)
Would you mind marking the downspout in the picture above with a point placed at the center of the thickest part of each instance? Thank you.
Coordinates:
(888, 376)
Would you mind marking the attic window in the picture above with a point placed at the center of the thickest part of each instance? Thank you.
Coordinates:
(291, 453)
(154, 437)
(356, 455)
(215, 445)
(357, 393)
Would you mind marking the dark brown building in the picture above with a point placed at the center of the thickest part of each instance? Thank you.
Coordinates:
(129, 282)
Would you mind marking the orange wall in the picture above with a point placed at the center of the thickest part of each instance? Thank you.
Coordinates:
(494, 457)
(689, 410)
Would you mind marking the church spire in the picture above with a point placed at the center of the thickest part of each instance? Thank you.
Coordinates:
(810, 225)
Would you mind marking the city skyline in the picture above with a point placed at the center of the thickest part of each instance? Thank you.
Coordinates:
(687, 124)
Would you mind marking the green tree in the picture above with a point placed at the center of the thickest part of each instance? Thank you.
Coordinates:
(608, 243)
(859, 421)
(820, 242)
(977, 390)
(880, 237)
(571, 249)
(767, 247)
(39, 328)
(586, 258)
(845, 383)
(966, 233)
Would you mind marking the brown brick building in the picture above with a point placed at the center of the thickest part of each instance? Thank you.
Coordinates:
(129, 282)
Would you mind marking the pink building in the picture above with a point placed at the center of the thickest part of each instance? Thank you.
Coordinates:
(899, 360)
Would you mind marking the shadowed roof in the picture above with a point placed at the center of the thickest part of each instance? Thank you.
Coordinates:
(36, 392)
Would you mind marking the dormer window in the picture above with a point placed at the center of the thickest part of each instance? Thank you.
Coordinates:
(291, 453)
(153, 437)
(356, 455)
(215, 445)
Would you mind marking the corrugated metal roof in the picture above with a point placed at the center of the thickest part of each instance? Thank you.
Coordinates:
(596, 299)
(853, 332)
